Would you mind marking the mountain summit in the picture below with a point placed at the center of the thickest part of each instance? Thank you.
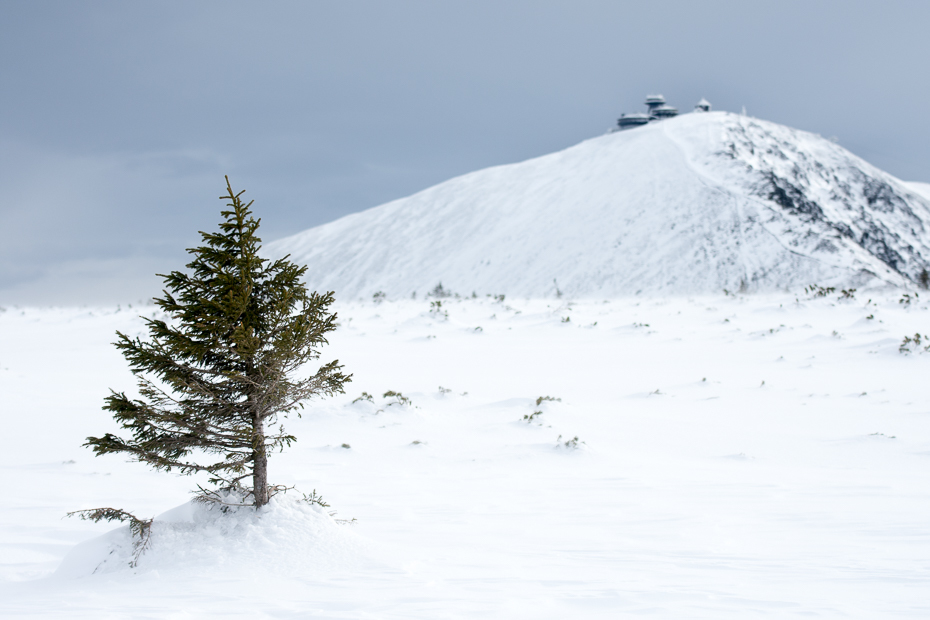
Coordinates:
(692, 204)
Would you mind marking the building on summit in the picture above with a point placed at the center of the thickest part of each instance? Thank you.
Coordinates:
(627, 121)
(656, 109)
(653, 102)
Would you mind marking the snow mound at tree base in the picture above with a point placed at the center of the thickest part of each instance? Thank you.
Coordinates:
(286, 536)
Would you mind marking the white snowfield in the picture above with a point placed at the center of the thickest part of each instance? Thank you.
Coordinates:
(710, 457)
(693, 204)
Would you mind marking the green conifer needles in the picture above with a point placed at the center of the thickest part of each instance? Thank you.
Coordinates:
(217, 377)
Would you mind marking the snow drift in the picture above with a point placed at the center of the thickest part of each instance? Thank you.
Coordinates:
(693, 204)
(285, 536)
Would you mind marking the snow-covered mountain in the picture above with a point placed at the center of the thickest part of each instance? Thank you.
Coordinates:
(698, 203)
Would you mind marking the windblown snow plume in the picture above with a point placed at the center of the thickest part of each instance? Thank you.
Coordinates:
(694, 204)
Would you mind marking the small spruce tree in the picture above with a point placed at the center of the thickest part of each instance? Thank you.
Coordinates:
(218, 377)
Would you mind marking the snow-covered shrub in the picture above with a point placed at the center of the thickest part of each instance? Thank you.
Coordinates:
(572, 444)
(399, 399)
(915, 344)
(815, 290)
(364, 396)
(435, 309)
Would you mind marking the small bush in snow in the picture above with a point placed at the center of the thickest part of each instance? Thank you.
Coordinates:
(364, 396)
(399, 399)
(571, 444)
(907, 299)
(530, 417)
(435, 308)
(915, 344)
(819, 291)
(439, 292)
(379, 297)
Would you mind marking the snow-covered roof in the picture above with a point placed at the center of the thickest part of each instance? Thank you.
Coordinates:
(664, 110)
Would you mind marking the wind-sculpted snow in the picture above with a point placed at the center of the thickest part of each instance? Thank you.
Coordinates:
(699, 203)
(737, 457)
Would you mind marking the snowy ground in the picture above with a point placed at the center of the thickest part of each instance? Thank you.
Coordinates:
(737, 457)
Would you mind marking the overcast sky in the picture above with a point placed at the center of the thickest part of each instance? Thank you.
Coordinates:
(119, 119)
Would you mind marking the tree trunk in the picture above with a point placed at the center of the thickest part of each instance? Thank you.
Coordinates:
(259, 463)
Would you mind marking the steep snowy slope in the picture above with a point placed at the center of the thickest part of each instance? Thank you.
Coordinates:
(694, 204)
